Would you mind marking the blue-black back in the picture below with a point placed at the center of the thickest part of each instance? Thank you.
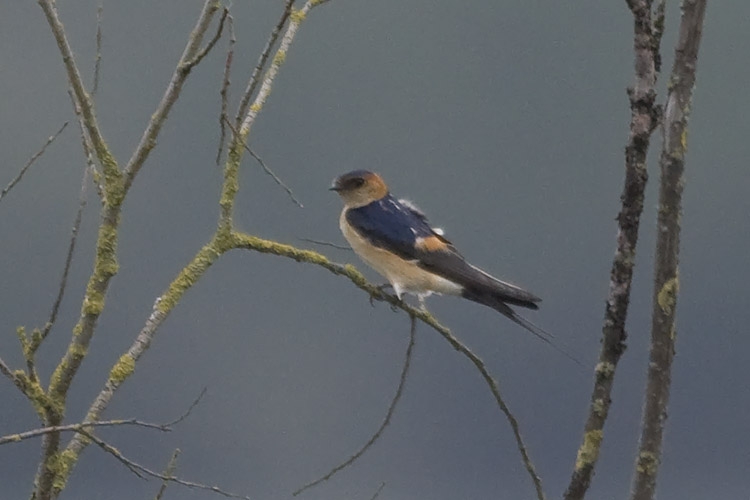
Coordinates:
(388, 224)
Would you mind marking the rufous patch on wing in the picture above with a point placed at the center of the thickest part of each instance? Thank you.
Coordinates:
(431, 244)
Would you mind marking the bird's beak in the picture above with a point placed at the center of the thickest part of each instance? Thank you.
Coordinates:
(335, 186)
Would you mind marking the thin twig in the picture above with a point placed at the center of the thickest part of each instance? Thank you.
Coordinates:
(171, 94)
(139, 470)
(326, 244)
(167, 427)
(255, 78)
(31, 161)
(210, 45)
(666, 277)
(68, 256)
(386, 420)
(38, 339)
(377, 492)
(224, 93)
(33, 433)
(265, 168)
(187, 413)
(98, 57)
(171, 467)
(88, 148)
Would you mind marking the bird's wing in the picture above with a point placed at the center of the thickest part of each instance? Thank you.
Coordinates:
(393, 226)
(449, 264)
(403, 229)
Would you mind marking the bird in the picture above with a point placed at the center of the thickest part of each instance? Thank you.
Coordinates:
(395, 238)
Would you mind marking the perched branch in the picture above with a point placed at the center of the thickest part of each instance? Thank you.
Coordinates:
(386, 420)
(31, 161)
(254, 243)
(644, 118)
(666, 279)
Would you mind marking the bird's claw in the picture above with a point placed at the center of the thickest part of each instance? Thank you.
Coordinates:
(381, 289)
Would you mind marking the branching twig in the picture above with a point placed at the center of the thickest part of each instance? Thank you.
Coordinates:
(68, 257)
(254, 243)
(644, 118)
(167, 427)
(265, 168)
(139, 470)
(39, 336)
(386, 420)
(88, 148)
(191, 55)
(33, 433)
(31, 161)
(253, 82)
(666, 279)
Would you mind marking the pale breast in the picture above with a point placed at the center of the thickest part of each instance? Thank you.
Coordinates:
(404, 275)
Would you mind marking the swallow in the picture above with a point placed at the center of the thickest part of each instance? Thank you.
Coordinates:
(395, 238)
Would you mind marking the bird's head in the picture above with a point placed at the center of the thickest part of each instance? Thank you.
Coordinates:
(359, 188)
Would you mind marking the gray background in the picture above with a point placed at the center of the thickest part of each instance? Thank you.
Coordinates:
(505, 122)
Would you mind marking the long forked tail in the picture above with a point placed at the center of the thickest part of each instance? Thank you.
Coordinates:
(504, 309)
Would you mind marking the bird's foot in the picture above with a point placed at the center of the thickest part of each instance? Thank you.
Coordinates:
(381, 289)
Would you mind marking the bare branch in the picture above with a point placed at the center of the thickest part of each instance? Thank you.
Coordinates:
(125, 367)
(36, 340)
(267, 170)
(253, 82)
(187, 413)
(14, 438)
(88, 148)
(21, 436)
(98, 57)
(210, 45)
(224, 93)
(666, 278)
(139, 470)
(230, 185)
(254, 243)
(644, 118)
(68, 257)
(31, 161)
(190, 57)
(386, 420)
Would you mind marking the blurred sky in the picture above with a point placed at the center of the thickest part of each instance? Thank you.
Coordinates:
(506, 122)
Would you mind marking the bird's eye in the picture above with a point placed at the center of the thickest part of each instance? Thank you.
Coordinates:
(358, 182)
